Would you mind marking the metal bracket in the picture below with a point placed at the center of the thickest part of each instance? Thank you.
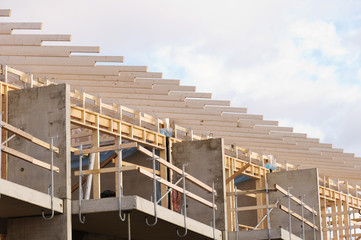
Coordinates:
(184, 204)
(120, 187)
(52, 181)
(154, 195)
(81, 218)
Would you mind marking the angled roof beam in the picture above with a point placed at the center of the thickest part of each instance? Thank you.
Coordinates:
(8, 27)
(31, 39)
(159, 81)
(45, 51)
(97, 70)
(89, 61)
(5, 12)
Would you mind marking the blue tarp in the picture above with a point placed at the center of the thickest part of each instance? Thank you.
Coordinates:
(103, 156)
(241, 178)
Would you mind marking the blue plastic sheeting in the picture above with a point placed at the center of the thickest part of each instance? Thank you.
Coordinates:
(167, 132)
(241, 178)
(103, 156)
(271, 167)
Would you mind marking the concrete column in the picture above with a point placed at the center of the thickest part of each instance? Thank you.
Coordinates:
(43, 112)
(205, 161)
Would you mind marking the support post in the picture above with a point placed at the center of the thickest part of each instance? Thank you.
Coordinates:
(81, 219)
(236, 209)
(289, 214)
(268, 210)
(96, 177)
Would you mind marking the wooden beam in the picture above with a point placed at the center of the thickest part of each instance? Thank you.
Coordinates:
(27, 136)
(239, 172)
(252, 191)
(5, 12)
(106, 170)
(107, 148)
(295, 199)
(31, 39)
(89, 61)
(50, 51)
(27, 158)
(8, 27)
(81, 70)
(176, 169)
(294, 214)
(179, 189)
(256, 207)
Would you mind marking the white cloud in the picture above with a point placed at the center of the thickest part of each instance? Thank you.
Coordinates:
(305, 92)
(294, 61)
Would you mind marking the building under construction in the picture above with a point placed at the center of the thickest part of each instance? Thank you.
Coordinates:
(108, 152)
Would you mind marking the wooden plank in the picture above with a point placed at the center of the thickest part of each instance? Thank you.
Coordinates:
(158, 81)
(295, 199)
(102, 165)
(179, 189)
(50, 51)
(79, 70)
(8, 27)
(256, 207)
(27, 136)
(140, 166)
(31, 39)
(285, 209)
(107, 148)
(89, 61)
(176, 169)
(5, 12)
(252, 191)
(106, 170)
(209, 102)
(239, 172)
(27, 158)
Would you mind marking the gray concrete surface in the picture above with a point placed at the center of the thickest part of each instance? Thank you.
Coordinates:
(20, 201)
(43, 112)
(205, 161)
(304, 184)
(262, 234)
(101, 217)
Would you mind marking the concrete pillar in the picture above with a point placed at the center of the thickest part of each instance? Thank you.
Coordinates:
(43, 112)
(205, 159)
(303, 184)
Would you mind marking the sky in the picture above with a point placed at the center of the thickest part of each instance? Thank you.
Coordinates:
(298, 62)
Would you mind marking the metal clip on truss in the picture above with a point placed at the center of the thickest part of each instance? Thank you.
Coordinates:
(52, 182)
(184, 204)
(81, 218)
(154, 194)
(120, 187)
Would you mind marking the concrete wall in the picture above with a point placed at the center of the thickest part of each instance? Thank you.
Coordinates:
(205, 161)
(304, 184)
(43, 112)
